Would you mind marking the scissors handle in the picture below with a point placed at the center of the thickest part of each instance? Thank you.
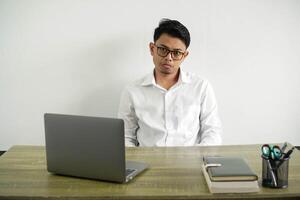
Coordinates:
(271, 152)
(277, 153)
(266, 151)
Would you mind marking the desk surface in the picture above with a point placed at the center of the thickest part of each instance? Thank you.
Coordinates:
(174, 173)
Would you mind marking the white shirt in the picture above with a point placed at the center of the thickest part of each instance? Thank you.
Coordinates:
(184, 115)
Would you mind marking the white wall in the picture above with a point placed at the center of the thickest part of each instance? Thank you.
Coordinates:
(76, 56)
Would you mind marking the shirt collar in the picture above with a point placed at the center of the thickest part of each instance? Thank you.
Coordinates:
(150, 79)
(184, 77)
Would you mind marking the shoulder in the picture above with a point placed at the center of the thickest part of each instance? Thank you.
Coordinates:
(195, 79)
(137, 84)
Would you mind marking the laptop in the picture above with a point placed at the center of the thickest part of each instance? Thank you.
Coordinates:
(88, 147)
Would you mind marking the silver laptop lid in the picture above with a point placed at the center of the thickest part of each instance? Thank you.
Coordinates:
(89, 147)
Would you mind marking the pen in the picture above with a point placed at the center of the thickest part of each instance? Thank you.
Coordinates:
(283, 147)
(287, 155)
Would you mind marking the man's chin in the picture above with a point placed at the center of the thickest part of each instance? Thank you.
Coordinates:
(166, 71)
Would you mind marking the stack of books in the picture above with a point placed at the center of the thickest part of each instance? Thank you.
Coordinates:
(229, 175)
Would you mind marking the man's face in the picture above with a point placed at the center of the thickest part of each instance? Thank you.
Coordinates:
(168, 64)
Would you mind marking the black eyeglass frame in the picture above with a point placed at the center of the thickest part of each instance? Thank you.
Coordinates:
(169, 51)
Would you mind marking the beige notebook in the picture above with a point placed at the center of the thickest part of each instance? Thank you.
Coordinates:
(230, 186)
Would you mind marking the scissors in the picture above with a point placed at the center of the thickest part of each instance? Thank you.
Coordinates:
(271, 152)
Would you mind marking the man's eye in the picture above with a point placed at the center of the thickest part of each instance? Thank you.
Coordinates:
(164, 50)
(177, 53)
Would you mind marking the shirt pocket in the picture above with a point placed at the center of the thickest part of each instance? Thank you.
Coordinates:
(188, 117)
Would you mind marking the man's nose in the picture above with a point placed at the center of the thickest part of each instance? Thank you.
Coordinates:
(169, 56)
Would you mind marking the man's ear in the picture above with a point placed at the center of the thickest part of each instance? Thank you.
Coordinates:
(151, 48)
(186, 53)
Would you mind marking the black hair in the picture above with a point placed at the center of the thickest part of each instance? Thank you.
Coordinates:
(173, 28)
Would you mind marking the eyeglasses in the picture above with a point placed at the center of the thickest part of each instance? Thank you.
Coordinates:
(175, 54)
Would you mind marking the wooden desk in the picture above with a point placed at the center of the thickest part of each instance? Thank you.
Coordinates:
(174, 174)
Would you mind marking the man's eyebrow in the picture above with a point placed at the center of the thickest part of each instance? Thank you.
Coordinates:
(171, 49)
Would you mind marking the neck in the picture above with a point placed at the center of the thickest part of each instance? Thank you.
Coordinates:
(166, 80)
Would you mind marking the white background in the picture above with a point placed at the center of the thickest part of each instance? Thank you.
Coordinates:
(75, 57)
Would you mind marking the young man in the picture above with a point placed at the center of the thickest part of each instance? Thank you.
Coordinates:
(170, 107)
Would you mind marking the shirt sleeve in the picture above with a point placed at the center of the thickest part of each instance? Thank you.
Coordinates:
(127, 113)
(210, 123)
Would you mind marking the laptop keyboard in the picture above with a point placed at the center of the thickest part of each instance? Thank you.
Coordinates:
(129, 171)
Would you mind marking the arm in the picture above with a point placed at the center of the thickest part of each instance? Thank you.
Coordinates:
(210, 123)
(127, 113)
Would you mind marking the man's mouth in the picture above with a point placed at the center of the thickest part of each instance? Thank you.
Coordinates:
(166, 66)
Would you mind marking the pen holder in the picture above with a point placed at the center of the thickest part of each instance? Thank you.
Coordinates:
(275, 173)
